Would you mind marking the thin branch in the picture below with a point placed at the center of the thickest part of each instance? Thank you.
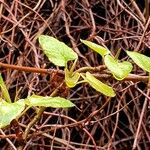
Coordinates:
(29, 69)
(98, 69)
(12, 145)
(140, 122)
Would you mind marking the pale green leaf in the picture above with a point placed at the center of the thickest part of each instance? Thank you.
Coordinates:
(57, 52)
(4, 90)
(71, 79)
(55, 102)
(120, 70)
(99, 49)
(98, 85)
(141, 60)
(9, 111)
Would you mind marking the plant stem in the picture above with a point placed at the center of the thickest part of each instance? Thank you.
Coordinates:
(98, 69)
(145, 105)
(73, 66)
(29, 69)
(147, 9)
(37, 117)
(118, 53)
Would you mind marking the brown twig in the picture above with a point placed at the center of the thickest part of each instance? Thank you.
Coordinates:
(131, 77)
(29, 69)
(140, 122)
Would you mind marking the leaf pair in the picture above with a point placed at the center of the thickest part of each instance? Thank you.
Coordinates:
(59, 53)
(10, 111)
(120, 70)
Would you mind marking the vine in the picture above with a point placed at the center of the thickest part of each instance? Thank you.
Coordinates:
(60, 54)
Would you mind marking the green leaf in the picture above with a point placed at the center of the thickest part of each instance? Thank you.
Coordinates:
(99, 49)
(55, 102)
(120, 70)
(57, 52)
(140, 59)
(10, 111)
(4, 90)
(98, 85)
(71, 79)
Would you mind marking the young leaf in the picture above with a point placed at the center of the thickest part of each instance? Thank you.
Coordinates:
(71, 79)
(10, 111)
(140, 59)
(99, 49)
(55, 102)
(4, 90)
(57, 52)
(119, 70)
(98, 85)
